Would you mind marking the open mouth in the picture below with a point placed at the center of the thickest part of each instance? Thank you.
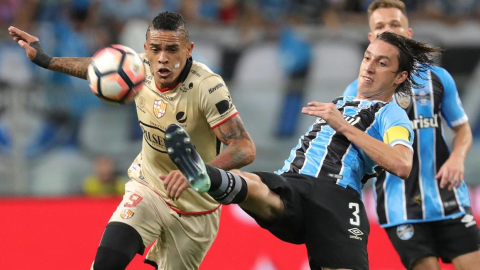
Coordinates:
(367, 79)
(164, 72)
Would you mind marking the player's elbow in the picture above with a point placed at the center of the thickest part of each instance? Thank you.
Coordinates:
(250, 152)
(403, 168)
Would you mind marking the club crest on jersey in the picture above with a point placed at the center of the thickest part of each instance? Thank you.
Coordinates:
(159, 108)
(423, 97)
(405, 231)
(403, 100)
(126, 214)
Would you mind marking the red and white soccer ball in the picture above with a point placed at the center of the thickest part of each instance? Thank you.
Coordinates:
(116, 74)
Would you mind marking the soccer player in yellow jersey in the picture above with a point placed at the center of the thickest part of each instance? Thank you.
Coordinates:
(177, 90)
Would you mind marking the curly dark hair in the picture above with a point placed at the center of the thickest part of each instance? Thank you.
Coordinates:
(169, 21)
(414, 57)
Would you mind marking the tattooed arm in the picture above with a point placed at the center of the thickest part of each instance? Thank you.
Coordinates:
(74, 66)
(240, 150)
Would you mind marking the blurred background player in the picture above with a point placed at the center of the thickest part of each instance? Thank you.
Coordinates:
(104, 181)
(428, 215)
(315, 199)
(191, 95)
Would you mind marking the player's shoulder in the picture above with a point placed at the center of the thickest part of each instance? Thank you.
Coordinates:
(145, 61)
(202, 71)
(392, 110)
(205, 77)
(441, 72)
(393, 106)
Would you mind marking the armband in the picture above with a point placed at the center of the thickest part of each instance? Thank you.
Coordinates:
(41, 59)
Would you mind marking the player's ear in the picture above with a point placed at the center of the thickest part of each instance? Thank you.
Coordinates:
(410, 33)
(145, 46)
(371, 36)
(401, 77)
(190, 49)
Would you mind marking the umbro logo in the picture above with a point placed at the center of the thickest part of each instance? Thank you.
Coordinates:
(468, 220)
(356, 233)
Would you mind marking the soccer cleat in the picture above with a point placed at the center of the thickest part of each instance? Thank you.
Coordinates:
(182, 152)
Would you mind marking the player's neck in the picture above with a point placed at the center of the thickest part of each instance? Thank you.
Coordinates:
(165, 87)
(382, 95)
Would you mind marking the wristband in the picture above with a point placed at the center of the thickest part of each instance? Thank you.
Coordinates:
(42, 59)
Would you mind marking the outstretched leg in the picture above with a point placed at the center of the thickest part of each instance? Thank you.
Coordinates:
(182, 152)
(226, 187)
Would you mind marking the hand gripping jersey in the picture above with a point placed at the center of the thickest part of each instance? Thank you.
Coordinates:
(420, 198)
(324, 152)
(199, 103)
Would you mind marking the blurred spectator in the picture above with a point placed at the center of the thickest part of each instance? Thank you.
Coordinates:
(104, 181)
(296, 55)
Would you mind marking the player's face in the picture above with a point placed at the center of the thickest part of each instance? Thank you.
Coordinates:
(379, 76)
(388, 19)
(167, 52)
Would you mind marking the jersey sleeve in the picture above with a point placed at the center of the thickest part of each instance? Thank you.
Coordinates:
(395, 127)
(351, 89)
(215, 101)
(452, 108)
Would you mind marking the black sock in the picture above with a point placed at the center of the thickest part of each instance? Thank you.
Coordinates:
(226, 187)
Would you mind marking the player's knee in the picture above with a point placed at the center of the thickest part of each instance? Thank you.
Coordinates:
(120, 243)
(109, 259)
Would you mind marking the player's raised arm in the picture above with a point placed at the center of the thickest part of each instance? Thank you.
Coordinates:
(74, 66)
(395, 159)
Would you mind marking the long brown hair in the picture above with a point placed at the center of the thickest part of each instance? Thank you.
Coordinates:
(414, 57)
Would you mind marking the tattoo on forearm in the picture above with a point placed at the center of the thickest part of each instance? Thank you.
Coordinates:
(74, 66)
(231, 158)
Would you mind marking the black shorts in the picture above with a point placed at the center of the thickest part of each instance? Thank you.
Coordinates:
(445, 239)
(329, 219)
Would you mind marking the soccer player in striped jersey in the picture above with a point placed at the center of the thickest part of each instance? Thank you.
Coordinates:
(428, 215)
(315, 199)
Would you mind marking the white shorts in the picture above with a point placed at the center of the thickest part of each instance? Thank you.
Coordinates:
(181, 241)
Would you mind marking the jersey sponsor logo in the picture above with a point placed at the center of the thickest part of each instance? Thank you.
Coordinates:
(403, 100)
(181, 117)
(405, 231)
(146, 61)
(159, 108)
(425, 122)
(336, 176)
(140, 104)
(223, 106)
(148, 79)
(196, 73)
(153, 136)
(213, 89)
(126, 214)
(183, 88)
(422, 98)
(352, 120)
(468, 220)
(448, 204)
(356, 232)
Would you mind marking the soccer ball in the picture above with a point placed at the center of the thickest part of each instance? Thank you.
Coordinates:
(116, 74)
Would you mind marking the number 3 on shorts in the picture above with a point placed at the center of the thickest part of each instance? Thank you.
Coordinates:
(356, 209)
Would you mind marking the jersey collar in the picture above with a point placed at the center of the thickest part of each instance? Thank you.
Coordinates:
(181, 78)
